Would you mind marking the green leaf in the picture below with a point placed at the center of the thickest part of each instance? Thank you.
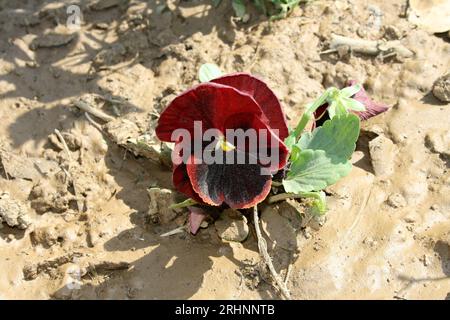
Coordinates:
(332, 109)
(239, 7)
(337, 137)
(208, 72)
(319, 203)
(350, 91)
(352, 104)
(314, 170)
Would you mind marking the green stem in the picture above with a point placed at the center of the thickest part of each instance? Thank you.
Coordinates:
(186, 203)
(309, 113)
(301, 125)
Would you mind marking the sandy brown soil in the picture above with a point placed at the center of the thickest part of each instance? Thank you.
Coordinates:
(87, 234)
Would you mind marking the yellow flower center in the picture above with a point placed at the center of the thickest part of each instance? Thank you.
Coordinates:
(225, 145)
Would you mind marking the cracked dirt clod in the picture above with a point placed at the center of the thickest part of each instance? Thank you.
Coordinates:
(32, 271)
(46, 197)
(48, 235)
(232, 226)
(441, 88)
(29, 168)
(51, 40)
(128, 135)
(438, 142)
(160, 201)
(277, 223)
(396, 200)
(382, 152)
(110, 56)
(13, 213)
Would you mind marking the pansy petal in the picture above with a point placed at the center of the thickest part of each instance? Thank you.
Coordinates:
(196, 217)
(267, 144)
(372, 108)
(209, 103)
(238, 185)
(182, 183)
(263, 95)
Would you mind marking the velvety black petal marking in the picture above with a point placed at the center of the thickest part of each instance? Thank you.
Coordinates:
(238, 185)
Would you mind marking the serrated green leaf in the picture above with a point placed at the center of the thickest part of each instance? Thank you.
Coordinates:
(337, 137)
(314, 170)
(239, 7)
(208, 72)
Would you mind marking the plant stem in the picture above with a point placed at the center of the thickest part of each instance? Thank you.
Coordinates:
(186, 203)
(262, 246)
(309, 113)
(302, 124)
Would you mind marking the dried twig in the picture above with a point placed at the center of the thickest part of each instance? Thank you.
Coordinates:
(63, 141)
(288, 274)
(369, 47)
(262, 246)
(93, 122)
(67, 172)
(283, 196)
(95, 112)
(174, 231)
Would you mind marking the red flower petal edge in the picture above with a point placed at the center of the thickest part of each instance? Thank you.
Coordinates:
(372, 108)
(210, 103)
(263, 95)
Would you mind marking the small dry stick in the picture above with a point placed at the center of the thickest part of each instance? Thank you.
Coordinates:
(92, 121)
(95, 112)
(66, 149)
(283, 196)
(369, 47)
(63, 141)
(288, 273)
(262, 246)
(174, 231)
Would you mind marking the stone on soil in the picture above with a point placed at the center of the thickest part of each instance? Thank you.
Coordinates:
(232, 226)
(13, 212)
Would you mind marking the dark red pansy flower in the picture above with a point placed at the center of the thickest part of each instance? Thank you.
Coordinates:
(372, 108)
(236, 101)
